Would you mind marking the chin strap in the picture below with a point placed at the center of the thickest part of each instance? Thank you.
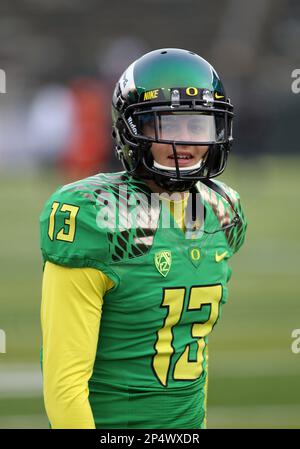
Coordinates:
(165, 167)
(214, 186)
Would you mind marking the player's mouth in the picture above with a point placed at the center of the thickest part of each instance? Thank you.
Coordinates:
(184, 158)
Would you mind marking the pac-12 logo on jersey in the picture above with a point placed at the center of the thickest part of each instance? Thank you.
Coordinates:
(163, 261)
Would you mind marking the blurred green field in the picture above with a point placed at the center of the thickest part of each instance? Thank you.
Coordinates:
(253, 374)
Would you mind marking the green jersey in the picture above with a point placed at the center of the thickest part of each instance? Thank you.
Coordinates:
(169, 288)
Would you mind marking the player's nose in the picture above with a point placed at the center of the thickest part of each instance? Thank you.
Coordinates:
(184, 133)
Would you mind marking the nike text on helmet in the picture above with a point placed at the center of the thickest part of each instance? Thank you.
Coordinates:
(154, 95)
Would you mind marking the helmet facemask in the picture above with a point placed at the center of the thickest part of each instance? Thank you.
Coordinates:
(163, 124)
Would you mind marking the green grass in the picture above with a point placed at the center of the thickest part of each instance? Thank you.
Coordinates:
(22, 406)
(253, 375)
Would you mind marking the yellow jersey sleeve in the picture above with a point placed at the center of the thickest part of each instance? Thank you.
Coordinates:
(71, 310)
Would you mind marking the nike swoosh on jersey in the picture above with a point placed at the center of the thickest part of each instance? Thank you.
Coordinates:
(218, 96)
(221, 256)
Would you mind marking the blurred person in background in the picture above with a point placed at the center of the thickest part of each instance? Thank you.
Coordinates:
(88, 146)
(49, 124)
(127, 307)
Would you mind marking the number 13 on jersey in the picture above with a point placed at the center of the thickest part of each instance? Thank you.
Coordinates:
(173, 299)
(69, 222)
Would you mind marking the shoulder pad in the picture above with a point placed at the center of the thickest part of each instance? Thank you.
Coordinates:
(235, 236)
(70, 233)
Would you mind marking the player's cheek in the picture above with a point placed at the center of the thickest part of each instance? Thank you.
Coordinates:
(160, 152)
(203, 151)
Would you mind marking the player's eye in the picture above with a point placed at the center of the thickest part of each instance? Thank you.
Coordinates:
(146, 125)
(195, 127)
(170, 126)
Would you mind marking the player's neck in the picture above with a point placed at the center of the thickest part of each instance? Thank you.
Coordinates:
(157, 189)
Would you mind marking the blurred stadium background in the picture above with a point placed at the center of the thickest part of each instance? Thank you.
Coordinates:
(61, 61)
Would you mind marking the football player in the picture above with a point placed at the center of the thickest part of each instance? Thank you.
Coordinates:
(127, 301)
